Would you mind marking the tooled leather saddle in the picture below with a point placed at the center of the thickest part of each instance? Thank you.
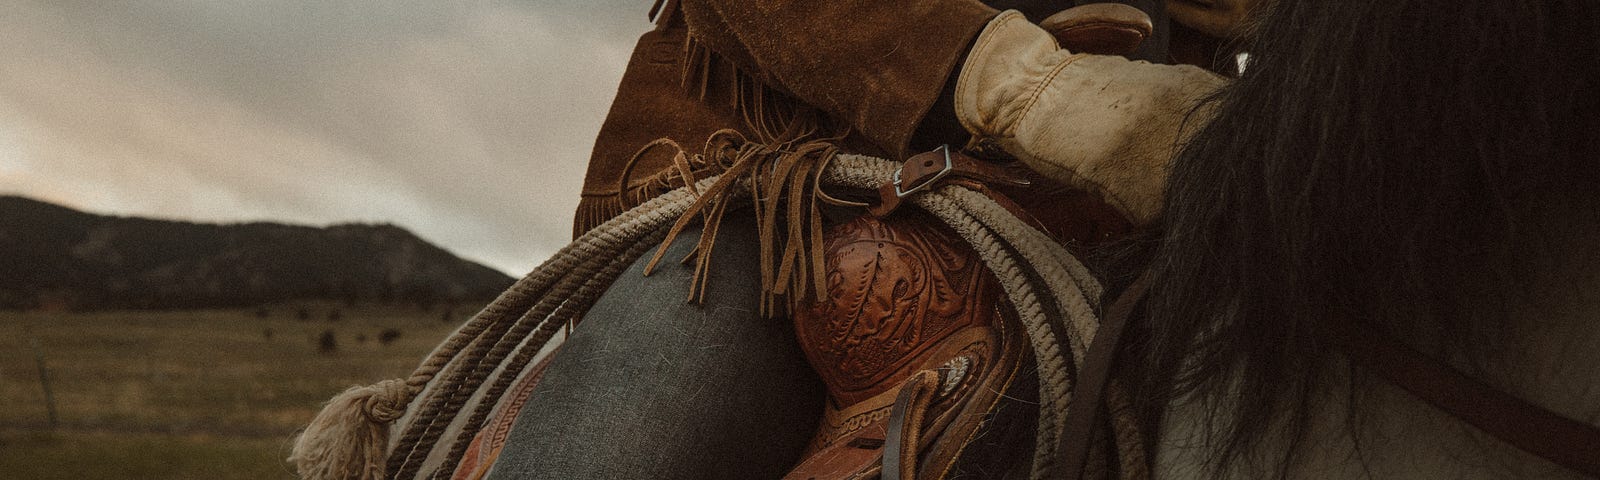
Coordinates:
(913, 346)
(920, 355)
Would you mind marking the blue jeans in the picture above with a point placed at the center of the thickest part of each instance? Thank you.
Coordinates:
(650, 386)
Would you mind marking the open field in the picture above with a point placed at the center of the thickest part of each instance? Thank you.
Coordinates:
(188, 394)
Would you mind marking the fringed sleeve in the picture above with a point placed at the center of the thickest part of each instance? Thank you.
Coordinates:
(875, 66)
(860, 74)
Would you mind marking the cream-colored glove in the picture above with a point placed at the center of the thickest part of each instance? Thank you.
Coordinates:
(1100, 123)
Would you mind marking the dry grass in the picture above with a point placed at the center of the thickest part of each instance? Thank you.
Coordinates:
(186, 394)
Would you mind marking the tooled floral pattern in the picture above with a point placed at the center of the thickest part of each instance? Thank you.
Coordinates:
(895, 288)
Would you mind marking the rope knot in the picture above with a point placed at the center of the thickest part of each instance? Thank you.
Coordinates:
(347, 440)
(385, 401)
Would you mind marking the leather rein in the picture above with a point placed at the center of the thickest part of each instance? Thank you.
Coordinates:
(1569, 443)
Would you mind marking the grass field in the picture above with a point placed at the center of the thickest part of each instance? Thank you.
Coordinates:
(212, 394)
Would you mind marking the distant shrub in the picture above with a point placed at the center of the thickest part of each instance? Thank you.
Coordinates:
(388, 335)
(361, 338)
(302, 314)
(327, 344)
(263, 313)
(266, 333)
(335, 315)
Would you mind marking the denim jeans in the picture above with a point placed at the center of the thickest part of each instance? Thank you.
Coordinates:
(650, 386)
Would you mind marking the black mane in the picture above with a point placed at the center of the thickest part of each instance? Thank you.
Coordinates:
(1370, 165)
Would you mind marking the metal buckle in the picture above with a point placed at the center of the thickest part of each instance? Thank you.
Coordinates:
(949, 165)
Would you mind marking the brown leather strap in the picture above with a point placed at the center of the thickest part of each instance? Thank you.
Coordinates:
(905, 426)
(1087, 396)
(1566, 442)
(929, 169)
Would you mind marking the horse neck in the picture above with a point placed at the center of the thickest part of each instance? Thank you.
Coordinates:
(1550, 356)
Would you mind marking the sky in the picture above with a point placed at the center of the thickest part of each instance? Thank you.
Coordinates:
(466, 122)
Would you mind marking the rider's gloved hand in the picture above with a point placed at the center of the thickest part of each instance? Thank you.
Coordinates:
(1101, 123)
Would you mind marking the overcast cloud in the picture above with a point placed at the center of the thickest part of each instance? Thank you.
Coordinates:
(466, 122)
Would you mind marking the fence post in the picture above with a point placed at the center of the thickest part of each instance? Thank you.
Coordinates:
(44, 380)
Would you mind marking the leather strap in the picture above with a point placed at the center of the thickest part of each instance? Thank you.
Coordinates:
(930, 169)
(1084, 409)
(905, 426)
(1572, 444)
(1563, 441)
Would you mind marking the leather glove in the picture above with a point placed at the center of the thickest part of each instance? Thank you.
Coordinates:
(1100, 123)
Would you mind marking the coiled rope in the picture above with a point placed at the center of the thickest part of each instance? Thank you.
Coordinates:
(1052, 294)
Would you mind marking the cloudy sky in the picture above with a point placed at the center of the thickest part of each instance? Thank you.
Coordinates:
(467, 122)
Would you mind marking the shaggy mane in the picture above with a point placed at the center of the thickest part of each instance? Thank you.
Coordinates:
(1375, 163)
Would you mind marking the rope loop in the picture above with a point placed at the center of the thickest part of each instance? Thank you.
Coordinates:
(1047, 288)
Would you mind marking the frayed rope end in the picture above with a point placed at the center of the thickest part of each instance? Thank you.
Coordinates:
(348, 439)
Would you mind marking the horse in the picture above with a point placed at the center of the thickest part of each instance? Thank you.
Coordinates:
(1421, 171)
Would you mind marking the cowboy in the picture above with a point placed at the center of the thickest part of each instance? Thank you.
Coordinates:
(736, 397)
(653, 387)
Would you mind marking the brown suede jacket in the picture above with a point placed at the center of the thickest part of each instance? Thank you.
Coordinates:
(871, 68)
(865, 73)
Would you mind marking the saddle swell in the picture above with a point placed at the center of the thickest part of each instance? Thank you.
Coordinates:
(908, 305)
(895, 290)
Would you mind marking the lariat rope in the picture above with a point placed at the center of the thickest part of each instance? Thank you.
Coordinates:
(1052, 293)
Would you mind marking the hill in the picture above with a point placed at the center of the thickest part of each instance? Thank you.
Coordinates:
(57, 256)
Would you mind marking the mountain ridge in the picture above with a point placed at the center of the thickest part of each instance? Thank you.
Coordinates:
(59, 257)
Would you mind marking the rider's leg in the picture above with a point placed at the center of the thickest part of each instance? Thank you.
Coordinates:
(649, 386)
